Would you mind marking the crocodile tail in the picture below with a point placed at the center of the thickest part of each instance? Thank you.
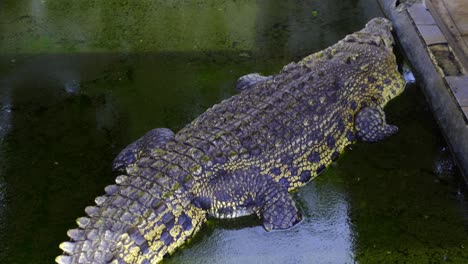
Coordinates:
(137, 221)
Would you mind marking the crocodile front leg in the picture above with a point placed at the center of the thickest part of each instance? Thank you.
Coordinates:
(371, 126)
(250, 80)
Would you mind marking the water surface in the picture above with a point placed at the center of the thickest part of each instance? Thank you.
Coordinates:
(80, 80)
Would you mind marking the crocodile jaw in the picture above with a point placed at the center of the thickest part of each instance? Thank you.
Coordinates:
(381, 27)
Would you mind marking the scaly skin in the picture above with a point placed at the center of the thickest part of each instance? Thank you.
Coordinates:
(243, 155)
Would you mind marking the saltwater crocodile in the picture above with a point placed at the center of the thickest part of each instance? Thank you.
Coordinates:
(244, 155)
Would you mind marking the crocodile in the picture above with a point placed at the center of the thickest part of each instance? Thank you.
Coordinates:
(244, 155)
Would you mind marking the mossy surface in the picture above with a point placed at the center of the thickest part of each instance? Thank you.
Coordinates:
(79, 80)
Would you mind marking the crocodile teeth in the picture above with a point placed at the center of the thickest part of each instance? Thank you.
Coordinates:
(111, 189)
(67, 247)
(63, 259)
(91, 210)
(76, 234)
(82, 221)
(100, 200)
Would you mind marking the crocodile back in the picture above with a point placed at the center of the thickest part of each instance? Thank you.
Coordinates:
(293, 125)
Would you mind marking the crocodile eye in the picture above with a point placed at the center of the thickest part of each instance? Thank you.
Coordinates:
(348, 60)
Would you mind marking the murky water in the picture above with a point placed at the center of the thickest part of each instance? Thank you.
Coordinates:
(79, 80)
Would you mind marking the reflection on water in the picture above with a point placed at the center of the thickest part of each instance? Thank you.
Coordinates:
(400, 210)
(5, 126)
(82, 79)
(408, 75)
(38, 9)
(276, 27)
(324, 235)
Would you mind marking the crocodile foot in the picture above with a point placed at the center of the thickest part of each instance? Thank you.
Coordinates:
(371, 126)
(279, 210)
(250, 80)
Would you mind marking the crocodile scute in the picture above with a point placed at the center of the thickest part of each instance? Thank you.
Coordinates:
(244, 155)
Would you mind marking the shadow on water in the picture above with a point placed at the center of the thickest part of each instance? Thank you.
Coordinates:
(80, 81)
(401, 207)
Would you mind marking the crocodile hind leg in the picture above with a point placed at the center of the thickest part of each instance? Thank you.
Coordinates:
(279, 210)
(371, 126)
(250, 80)
(233, 194)
(151, 140)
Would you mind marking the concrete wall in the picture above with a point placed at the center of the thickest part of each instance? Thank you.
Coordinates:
(444, 106)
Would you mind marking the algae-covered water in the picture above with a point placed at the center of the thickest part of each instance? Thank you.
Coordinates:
(79, 80)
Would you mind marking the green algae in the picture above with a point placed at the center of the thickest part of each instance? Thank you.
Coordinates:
(79, 80)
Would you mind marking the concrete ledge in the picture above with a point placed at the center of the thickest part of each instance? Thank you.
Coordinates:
(442, 102)
(459, 87)
(420, 15)
(452, 18)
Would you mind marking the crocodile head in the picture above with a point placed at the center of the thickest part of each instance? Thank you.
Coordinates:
(381, 28)
(378, 32)
(383, 81)
(392, 82)
(367, 56)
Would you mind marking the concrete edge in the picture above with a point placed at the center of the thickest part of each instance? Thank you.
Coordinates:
(444, 106)
(454, 39)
